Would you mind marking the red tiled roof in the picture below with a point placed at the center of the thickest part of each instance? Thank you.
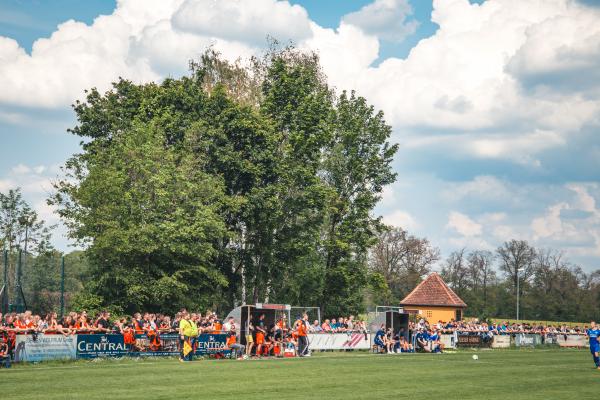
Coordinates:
(433, 291)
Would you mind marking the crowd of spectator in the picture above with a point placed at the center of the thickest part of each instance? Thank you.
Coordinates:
(103, 322)
(72, 323)
(261, 340)
(501, 328)
(342, 324)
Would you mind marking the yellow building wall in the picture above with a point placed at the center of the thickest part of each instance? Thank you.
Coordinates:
(434, 314)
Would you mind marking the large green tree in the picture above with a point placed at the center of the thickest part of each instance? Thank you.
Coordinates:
(150, 216)
(234, 184)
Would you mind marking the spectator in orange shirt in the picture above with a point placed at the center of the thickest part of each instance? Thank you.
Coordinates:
(301, 331)
(237, 348)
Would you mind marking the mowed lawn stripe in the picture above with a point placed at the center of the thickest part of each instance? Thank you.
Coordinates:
(524, 374)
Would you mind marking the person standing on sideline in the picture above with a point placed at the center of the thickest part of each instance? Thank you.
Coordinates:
(187, 335)
(592, 334)
(261, 332)
(301, 333)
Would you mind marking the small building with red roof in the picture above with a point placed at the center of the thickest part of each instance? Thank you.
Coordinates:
(434, 300)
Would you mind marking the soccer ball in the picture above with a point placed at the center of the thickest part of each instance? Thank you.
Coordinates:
(245, 357)
(475, 357)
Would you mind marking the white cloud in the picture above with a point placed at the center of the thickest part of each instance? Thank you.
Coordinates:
(345, 53)
(492, 217)
(462, 224)
(20, 169)
(550, 223)
(584, 201)
(12, 117)
(243, 21)
(76, 56)
(467, 77)
(386, 19)
(388, 196)
(137, 41)
(572, 225)
(520, 149)
(481, 187)
(400, 219)
(36, 185)
(503, 233)
(461, 80)
(470, 242)
(560, 53)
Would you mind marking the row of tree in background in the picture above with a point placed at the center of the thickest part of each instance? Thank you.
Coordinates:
(23, 233)
(252, 183)
(550, 287)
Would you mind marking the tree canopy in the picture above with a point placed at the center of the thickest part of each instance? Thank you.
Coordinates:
(232, 184)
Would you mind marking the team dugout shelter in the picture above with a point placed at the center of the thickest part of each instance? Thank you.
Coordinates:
(433, 300)
(251, 312)
(393, 318)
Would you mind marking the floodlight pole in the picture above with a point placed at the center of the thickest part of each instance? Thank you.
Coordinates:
(5, 278)
(518, 292)
(20, 307)
(62, 286)
(4, 293)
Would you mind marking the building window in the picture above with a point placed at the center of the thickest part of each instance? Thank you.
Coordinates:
(428, 313)
(458, 315)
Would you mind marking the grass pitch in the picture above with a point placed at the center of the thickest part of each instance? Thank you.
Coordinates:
(498, 374)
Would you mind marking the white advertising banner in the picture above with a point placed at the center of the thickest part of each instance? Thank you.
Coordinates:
(501, 342)
(45, 347)
(448, 340)
(339, 341)
(572, 340)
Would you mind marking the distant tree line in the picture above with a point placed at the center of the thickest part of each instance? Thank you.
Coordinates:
(550, 287)
(23, 232)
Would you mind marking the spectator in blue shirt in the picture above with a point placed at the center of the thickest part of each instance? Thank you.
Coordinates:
(379, 337)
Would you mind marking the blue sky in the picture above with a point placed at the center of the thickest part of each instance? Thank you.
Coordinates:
(495, 104)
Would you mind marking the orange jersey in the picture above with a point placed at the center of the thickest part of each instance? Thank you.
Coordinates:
(81, 325)
(301, 329)
(20, 325)
(231, 340)
(138, 327)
